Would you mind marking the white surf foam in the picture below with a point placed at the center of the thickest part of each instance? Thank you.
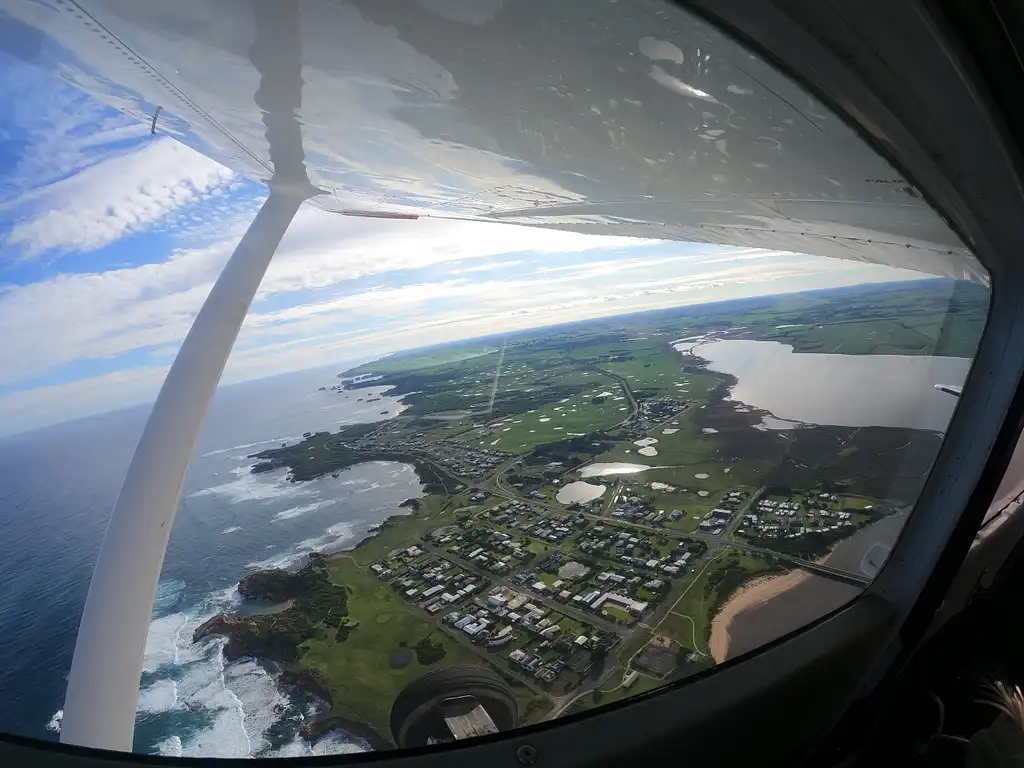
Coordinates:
(161, 696)
(293, 512)
(334, 539)
(243, 446)
(232, 529)
(169, 747)
(241, 698)
(331, 744)
(261, 487)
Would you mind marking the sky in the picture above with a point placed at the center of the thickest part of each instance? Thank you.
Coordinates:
(110, 239)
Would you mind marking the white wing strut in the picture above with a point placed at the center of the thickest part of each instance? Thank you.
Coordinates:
(103, 687)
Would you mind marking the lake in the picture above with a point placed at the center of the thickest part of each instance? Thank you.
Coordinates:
(839, 390)
(605, 468)
(579, 493)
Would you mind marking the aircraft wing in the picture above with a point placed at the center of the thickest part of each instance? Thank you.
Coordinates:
(500, 110)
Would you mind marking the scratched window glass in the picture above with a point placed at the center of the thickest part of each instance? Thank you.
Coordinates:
(582, 351)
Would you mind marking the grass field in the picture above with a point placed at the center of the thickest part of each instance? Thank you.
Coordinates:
(435, 511)
(362, 682)
(543, 386)
(571, 416)
(711, 588)
(425, 359)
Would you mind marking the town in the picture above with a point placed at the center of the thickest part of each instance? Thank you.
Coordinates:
(589, 502)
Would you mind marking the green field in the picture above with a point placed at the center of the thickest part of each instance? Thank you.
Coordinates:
(709, 590)
(515, 418)
(362, 682)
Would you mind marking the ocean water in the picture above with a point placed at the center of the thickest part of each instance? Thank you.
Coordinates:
(58, 487)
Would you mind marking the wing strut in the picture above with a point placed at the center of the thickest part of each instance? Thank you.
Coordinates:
(103, 687)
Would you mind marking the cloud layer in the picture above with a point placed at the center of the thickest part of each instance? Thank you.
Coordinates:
(112, 238)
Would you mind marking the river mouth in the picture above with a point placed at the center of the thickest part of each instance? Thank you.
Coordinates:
(836, 389)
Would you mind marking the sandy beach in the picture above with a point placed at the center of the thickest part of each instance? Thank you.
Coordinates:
(752, 594)
(770, 607)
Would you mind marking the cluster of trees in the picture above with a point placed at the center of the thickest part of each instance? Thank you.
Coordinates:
(316, 603)
(428, 652)
(589, 444)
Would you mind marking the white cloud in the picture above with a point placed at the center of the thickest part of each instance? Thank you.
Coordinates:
(487, 267)
(124, 194)
(356, 326)
(323, 249)
(51, 323)
(80, 316)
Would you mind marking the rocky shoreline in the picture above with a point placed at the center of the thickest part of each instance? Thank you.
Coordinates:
(276, 637)
(313, 682)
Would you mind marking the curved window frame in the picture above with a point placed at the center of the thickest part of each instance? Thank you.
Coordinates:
(951, 142)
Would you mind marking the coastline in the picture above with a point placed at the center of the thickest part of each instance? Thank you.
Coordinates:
(752, 594)
(769, 607)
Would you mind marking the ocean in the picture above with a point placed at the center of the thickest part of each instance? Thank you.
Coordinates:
(59, 485)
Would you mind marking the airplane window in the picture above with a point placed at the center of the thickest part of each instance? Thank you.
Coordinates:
(600, 353)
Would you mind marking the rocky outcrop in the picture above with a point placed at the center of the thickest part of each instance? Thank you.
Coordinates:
(274, 585)
(253, 636)
(221, 624)
(315, 605)
(321, 726)
(309, 680)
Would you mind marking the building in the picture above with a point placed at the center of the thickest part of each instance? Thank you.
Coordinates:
(629, 678)
(517, 656)
(619, 601)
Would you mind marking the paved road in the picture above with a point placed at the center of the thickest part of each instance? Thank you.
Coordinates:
(562, 703)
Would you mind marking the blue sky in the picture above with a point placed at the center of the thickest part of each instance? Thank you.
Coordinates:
(110, 239)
